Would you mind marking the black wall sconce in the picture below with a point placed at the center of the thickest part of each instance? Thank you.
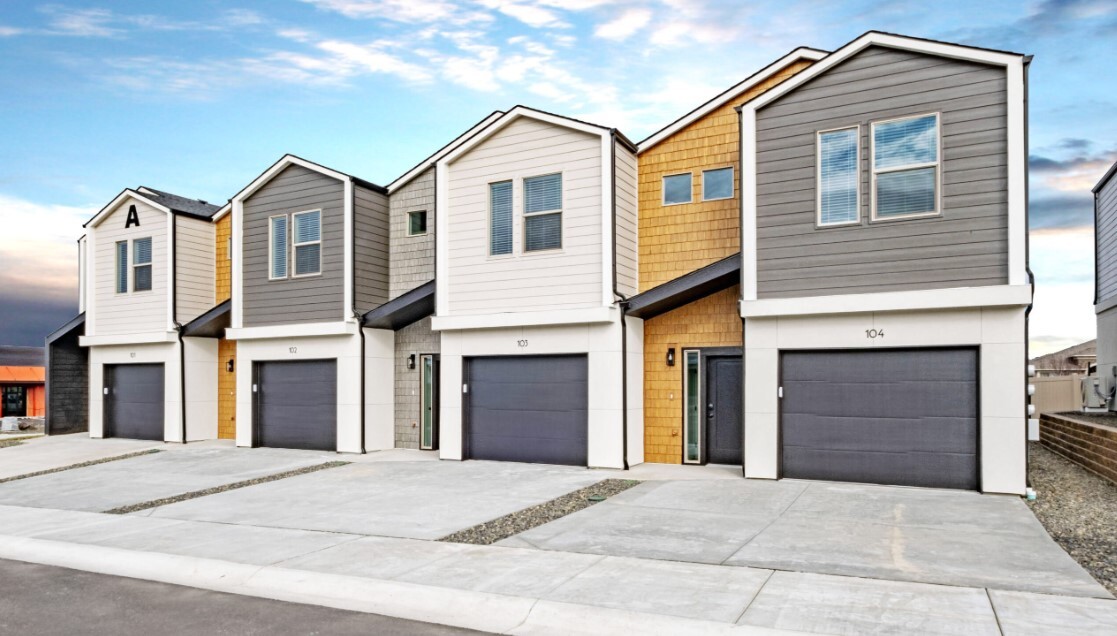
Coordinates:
(411, 361)
(671, 357)
(230, 365)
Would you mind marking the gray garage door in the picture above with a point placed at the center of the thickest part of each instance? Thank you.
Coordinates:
(296, 404)
(134, 401)
(903, 417)
(527, 409)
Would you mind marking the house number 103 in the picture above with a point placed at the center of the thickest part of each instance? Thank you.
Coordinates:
(521, 343)
(873, 334)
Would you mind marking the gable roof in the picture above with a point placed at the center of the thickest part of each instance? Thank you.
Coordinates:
(162, 201)
(1106, 177)
(441, 152)
(294, 160)
(727, 96)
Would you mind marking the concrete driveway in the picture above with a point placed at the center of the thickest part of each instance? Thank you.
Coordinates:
(901, 534)
(416, 500)
(56, 451)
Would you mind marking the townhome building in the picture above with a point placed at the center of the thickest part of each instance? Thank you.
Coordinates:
(1105, 285)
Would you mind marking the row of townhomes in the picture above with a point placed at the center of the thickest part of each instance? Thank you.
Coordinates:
(820, 273)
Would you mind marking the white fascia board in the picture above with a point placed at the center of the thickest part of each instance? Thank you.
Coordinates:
(347, 266)
(222, 212)
(277, 167)
(1017, 174)
(433, 159)
(802, 53)
(305, 330)
(128, 339)
(236, 318)
(592, 315)
(923, 299)
(116, 203)
(507, 118)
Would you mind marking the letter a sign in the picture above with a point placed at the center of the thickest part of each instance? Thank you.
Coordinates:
(133, 217)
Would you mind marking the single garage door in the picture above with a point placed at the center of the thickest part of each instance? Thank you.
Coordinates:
(134, 401)
(527, 409)
(902, 417)
(296, 404)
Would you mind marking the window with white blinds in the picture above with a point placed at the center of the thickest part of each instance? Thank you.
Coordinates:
(838, 177)
(308, 242)
(141, 264)
(906, 167)
(122, 267)
(500, 218)
(277, 247)
(543, 213)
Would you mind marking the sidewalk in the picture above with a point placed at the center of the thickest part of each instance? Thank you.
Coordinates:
(522, 591)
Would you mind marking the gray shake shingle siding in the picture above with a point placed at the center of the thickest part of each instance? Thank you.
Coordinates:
(415, 338)
(1106, 240)
(412, 257)
(294, 300)
(966, 246)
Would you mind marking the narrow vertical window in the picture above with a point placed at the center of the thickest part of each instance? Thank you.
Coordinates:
(692, 408)
(500, 218)
(906, 167)
(308, 243)
(141, 264)
(122, 267)
(543, 213)
(838, 177)
(426, 441)
(277, 247)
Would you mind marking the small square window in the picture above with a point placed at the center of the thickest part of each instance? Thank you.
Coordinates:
(677, 189)
(417, 223)
(717, 184)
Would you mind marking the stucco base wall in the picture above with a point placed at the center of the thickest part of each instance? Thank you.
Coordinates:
(165, 353)
(418, 339)
(201, 388)
(998, 333)
(380, 353)
(602, 345)
(1107, 342)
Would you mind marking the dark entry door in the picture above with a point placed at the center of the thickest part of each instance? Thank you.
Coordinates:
(134, 401)
(723, 410)
(296, 404)
(906, 417)
(15, 402)
(527, 409)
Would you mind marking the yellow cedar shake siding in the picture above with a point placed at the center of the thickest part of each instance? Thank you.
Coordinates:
(226, 390)
(712, 321)
(223, 267)
(678, 239)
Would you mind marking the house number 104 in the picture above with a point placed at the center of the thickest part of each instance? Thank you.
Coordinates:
(873, 334)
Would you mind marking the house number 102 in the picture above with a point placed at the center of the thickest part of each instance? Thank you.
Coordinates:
(873, 334)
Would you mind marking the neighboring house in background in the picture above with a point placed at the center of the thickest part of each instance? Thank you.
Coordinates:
(22, 382)
(1105, 276)
(884, 278)
(1069, 361)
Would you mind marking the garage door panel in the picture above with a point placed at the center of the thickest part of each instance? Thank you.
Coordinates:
(895, 365)
(135, 407)
(296, 404)
(561, 396)
(947, 435)
(881, 399)
(927, 470)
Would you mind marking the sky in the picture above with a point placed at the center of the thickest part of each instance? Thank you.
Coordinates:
(198, 98)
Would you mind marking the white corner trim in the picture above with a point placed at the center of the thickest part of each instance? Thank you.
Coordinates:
(748, 205)
(608, 212)
(801, 53)
(82, 274)
(924, 299)
(1017, 175)
(525, 319)
(172, 226)
(441, 240)
(236, 318)
(222, 212)
(149, 337)
(118, 201)
(278, 166)
(431, 160)
(347, 266)
(91, 284)
(516, 113)
(304, 330)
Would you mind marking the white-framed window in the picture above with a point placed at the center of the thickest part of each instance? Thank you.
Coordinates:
(717, 184)
(500, 218)
(543, 213)
(277, 247)
(141, 264)
(307, 241)
(122, 267)
(417, 223)
(677, 189)
(905, 166)
(839, 176)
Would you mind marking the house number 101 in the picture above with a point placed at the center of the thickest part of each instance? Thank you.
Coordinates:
(873, 334)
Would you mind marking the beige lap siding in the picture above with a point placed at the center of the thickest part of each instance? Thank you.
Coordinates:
(195, 268)
(131, 312)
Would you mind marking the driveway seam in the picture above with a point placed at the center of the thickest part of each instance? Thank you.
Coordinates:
(769, 525)
(752, 600)
(993, 608)
(306, 554)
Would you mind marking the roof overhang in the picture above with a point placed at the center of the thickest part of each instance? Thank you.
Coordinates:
(433, 159)
(211, 324)
(283, 163)
(517, 113)
(227, 208)
(801, 53)
(1105, 178)
(686, 289)
(77, 323)
(118, 201)
(403, 310)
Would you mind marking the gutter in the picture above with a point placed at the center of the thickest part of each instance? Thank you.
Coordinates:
(622, 305)
(178, 325)
(741, 287)
(356, 312)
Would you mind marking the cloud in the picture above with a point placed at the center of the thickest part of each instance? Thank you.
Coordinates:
(38, 256)
(406, 11)
(1077, 173)
(82, 22)
(530, 14)
(1061, 211)
(7, 31)
(624, 25)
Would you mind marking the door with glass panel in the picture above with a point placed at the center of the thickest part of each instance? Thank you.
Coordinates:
(428, 381)
(712, 398)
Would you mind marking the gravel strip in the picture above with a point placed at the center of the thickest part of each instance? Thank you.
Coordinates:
(155, 503)
(1079, 511)
(92, 462)
(8, 443)
(490, 532)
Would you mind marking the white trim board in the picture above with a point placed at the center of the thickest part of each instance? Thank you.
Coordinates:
(128, 339)
(303, 330)
(924, 299)
(118, 201)
(433, 159)
(516, 113)
(278, 166)
(525, 319)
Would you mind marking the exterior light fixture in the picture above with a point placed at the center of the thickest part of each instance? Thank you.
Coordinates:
(411, 361)
(671, 357)
(230, 365)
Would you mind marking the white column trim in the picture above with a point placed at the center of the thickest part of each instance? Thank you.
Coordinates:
(171, 300)
(347, 267)
(1017, 175)
(748, 204)
(607, 213)
(441, 240)
(236, 319)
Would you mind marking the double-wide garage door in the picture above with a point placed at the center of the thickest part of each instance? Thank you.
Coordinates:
(527, 409)
(134, 401)
(296, 404)
(902, 417)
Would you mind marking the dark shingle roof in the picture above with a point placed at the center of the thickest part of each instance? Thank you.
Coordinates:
(182, 205)
(21, 356)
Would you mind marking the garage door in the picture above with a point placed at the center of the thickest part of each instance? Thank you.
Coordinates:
(903, 417)
(527, 409)
(134, 401)
(296, 404)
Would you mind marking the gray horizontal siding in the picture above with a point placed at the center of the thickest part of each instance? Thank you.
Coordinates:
(966, 246)
(294, 300)
(1106, 238)
(370, 256)
(412, 257)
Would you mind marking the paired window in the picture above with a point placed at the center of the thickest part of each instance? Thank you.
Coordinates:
(717, 184)
(140, 265)
(297, 238)
(677, 189)
(542, 200)
(417, 223)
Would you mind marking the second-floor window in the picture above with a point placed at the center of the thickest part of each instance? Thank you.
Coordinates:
(905, 167)
(676, 189)
(543, 213)
(717, 184)
(838, 177)
(122, 267)
(277, 247)
(417, 223)
(500, 218)
(141, 264)
(308, 242)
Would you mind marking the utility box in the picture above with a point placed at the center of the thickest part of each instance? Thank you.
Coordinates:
(1097, 393)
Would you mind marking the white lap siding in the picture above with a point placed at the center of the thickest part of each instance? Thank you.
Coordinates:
(132, 312)
(194, 268)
